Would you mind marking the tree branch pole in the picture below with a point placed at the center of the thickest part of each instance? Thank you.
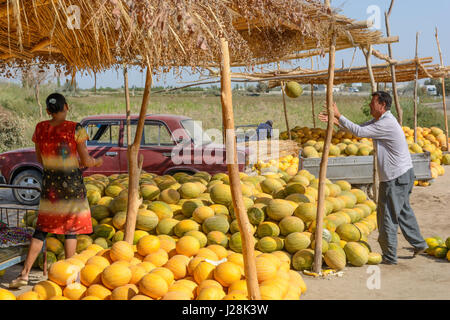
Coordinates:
(368, 56)
(283, 85)
(444, 102)
(127, 106)
(324, 163)
(416, 83)
(312, 97)
(248, 245)
(134, 171)
(394, 77)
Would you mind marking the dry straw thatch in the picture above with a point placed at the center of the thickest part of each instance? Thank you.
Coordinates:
(405, 71)
(166, 33)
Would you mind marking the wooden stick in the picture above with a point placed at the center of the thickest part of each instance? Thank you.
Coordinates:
(368, 56)
(416, 83)
(285, 110)
(127, 106)
(398, 107)
(444, 102)
(133, 190)
(312, 97)
(324, 163)
(233, 171)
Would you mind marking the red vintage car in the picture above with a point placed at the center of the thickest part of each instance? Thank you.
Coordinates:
(170, 144)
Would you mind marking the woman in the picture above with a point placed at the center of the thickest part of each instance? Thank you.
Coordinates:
(63, 208)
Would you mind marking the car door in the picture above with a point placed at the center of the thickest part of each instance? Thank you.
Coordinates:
(156, 146)
(104, 142)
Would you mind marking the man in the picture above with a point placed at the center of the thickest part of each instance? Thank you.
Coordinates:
(264, 130)
(395, 172)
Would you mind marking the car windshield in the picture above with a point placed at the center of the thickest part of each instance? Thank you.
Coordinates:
(195, 131)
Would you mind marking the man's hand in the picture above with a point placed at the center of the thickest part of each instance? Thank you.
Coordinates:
(323, 116)
(98, 162)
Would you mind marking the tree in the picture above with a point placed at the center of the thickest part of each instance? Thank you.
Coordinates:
(262, 87)
(34, 77)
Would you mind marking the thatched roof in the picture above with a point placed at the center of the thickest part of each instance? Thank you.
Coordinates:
(405, 71)
(167, 33)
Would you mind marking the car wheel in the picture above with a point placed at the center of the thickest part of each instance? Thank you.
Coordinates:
(27, 178)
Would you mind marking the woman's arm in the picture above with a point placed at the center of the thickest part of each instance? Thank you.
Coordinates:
(86, 159)
(38, 153)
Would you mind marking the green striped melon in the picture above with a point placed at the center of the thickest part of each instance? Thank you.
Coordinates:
(217, 237)
(356, 254)
(303, 260)
(291, 224)
(298, 197)
(271, 185)
(296, 241)
(146, 220)
(360, 195)
(306, 211)
(294, 187)
(221, 194)
(166, 226)
(119, 220)
(267, 244)
(374, 258)
(184, 226)
(169, 196)
(162, 209)
(104, 231)
(200, 236)
(216, 223)
(189, 206)
(149, 192)
(277, 209)
(99, 212)
(235, 242)
(268, 228)
(256, 214)
(190, 190)
(335, 259)
(348, 232)
(54, 245)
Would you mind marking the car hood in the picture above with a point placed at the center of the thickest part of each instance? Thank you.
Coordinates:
(22, 150)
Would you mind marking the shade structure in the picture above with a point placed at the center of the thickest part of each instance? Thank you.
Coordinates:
(97, 35)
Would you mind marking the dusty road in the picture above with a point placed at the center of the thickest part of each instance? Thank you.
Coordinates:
(423, 278)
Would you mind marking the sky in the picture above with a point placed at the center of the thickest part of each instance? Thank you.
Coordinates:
(407, 18)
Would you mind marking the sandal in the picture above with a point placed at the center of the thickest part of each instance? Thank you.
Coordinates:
(17, 283)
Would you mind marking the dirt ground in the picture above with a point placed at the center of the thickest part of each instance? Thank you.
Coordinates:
(422, 278)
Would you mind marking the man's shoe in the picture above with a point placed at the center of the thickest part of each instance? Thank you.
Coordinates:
(388, 262)
(418, 251)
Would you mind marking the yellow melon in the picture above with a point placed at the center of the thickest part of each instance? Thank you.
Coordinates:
(165, 273)
(203, 271)
(153, 285)
(148, 266)
(211, 293)
(178, 265)
(29, 295)
(47, 289)
(265, 268)
(141, 297)
(91, 274)
(99, 291)
(116, 275)
(6, 295)
(158, 258)
(121, 250)
(126, 292)
(188, 246)
(220, 251)
(227, 273)
(207, 254)
(148, 244)
(176, 295)
(74, 291)
(63, 273)
(91, 298)
(137, 272)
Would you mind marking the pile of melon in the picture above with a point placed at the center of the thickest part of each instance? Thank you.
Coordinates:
(289, 164)
(187, 219)
(345, 144)
(438, 248)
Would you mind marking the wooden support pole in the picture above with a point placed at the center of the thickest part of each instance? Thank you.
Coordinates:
(444, 102)
(368, 56)
(134, 171)
(248, 245)
(324, 163)
(285, 110)
(312, 97)
(416, 83)
(127, 107)
(398, 107)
